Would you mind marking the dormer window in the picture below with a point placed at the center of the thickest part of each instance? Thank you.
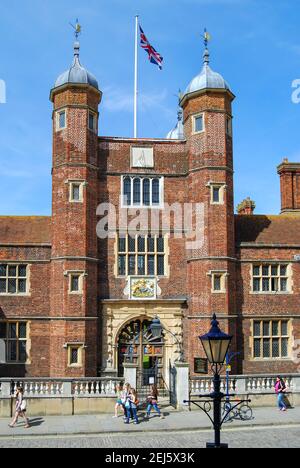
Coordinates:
(198, 123)
(61, 120)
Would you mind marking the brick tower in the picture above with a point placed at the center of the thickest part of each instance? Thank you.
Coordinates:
(207, 107)
(73, 325)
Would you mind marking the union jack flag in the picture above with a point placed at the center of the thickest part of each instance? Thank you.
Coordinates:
(154, 56)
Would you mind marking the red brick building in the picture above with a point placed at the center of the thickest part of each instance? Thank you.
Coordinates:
(75, 303)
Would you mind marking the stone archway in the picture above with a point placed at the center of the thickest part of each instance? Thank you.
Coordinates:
(117, 314)
(137, 345)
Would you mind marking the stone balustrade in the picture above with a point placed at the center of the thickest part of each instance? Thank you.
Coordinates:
(60, 388)
(245, 384)
(204, 385)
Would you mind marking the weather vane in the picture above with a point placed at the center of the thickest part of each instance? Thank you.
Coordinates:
(179, 96)
(77, 28)
(207, 37)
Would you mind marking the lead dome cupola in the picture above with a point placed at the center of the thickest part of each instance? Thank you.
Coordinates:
(77, 74)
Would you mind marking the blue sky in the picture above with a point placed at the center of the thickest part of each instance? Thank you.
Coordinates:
(256, 47)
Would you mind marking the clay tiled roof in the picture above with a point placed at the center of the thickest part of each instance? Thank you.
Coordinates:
(268, 230)
(25, 230)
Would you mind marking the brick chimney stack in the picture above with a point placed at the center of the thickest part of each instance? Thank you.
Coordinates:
(290, 186)
(247, 207)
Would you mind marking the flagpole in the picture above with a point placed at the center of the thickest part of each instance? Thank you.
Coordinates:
(136, 76)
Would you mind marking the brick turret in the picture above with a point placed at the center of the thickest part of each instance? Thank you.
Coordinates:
(74, 244)
(207, 106)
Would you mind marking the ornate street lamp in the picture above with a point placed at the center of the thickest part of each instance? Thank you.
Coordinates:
(216, 345)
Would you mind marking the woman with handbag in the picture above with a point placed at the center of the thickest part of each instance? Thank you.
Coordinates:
(20, 408)
(280, 390)
(153, 402)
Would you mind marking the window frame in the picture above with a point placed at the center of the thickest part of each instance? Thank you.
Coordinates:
(76, 183)
(261, 277)
(151, 205)
(195, 117)
(229, 126)
(147, 254)
(94, 115)
(222, 274)
(79, 347)
(262, 337)
(17, 340)
(58, 114)
(17, 278)
(75, 273)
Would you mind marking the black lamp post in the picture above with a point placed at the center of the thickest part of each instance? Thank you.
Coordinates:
(216, 345)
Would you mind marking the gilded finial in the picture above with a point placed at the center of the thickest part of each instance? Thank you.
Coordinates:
(207, 38)
(77, 29)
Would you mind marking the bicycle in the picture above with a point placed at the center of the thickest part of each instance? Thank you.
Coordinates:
(230, 413)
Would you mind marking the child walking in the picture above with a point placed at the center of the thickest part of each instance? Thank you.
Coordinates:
(131, 406)
(20, 409)
(119, 404)
(153, 402)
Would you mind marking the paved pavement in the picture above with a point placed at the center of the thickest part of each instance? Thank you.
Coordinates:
(173, 422)
(261, 437)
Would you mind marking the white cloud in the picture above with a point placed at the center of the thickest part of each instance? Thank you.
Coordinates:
(115, 100)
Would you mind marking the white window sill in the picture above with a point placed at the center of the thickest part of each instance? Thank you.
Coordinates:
(265, 293)
(14, 363)
(15, 295)
(142, 276)
(143, 207)
(270, 359)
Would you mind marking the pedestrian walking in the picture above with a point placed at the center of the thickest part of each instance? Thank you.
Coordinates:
(131, 405)
(125, 393)
(119, 403)
(21, 407)
(280, 389)
(153, 402)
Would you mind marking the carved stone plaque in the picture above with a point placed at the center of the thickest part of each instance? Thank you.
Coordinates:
(143, 288)
(142, 157)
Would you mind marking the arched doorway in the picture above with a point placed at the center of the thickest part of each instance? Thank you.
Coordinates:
(137, 345)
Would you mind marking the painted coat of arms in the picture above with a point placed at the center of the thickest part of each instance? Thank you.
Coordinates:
(143, 288)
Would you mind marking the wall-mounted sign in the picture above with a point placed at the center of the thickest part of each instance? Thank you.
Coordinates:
(142, 157)
(200, 366)
(143, 288)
